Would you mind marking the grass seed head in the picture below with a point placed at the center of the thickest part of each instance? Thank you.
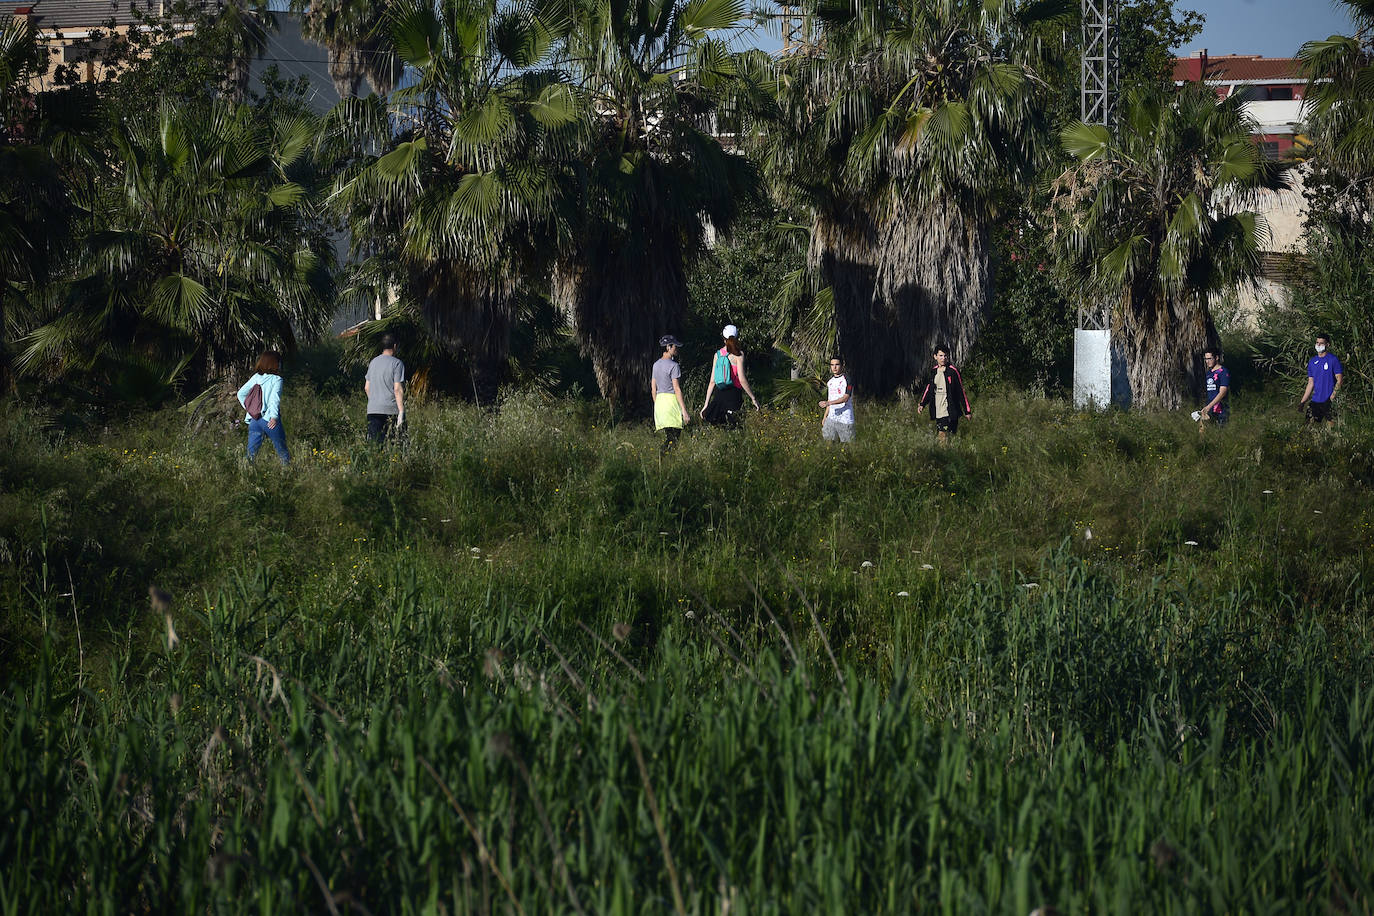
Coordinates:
(492, 660)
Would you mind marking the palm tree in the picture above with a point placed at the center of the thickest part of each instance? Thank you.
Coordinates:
(1340, 88)
(243, 27)
(353, 33)
(655, 77)
(34, 208)
(1153, 218)
(903, 126)
(205, 248)
(461, 204)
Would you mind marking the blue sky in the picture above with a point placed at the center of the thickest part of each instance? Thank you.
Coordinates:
(1274, 28)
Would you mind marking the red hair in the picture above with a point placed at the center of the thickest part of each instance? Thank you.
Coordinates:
(269, 363)
(732, 345)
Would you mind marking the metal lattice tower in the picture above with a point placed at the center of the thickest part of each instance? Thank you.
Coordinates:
(795, 35)
(1100, 69)
(1098, 364)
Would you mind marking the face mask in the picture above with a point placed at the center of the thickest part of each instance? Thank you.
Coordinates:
(1321, 348)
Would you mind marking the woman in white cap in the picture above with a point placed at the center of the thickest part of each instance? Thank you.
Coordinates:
(724, 400)
(670, 408)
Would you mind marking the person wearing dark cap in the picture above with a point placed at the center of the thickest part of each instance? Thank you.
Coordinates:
(670, 407)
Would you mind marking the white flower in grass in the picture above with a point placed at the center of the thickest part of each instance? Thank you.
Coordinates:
(926, 566)
(1268, 492)
(475, 549)
(866, 564)
(1087, 534)
(1030, 585)
(1191, 543)
(904, 594)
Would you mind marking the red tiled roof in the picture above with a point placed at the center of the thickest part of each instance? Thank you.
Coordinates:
(1250, 67)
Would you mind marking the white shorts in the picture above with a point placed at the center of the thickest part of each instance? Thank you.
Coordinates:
(833, 429)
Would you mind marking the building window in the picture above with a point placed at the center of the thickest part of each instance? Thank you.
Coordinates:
(1280, 93)
(1269, 149)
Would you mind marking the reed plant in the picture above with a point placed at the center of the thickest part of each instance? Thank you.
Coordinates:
(521, 662)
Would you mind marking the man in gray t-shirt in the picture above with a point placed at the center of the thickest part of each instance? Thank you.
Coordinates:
(385, 383)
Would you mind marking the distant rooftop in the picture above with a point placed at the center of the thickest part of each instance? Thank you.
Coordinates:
(79, 15)
(1236, 67)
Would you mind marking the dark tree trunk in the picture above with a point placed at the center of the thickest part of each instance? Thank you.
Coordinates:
(866, 330)
(935, 274)
(472, 313)
(921, 277)
(6, 377)
(488, 373)
(1162, 337)
(621, 298)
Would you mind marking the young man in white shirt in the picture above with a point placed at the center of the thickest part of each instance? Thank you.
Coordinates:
(838, 423)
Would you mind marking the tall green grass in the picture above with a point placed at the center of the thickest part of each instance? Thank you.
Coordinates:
(875, 678)
(431, 758)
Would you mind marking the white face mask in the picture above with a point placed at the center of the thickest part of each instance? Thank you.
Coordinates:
(1321, 348)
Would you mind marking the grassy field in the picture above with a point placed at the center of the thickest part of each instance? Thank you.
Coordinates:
(525, 664)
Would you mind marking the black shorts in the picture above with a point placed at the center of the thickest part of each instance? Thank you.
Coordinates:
(949, 424)
(1318, 411)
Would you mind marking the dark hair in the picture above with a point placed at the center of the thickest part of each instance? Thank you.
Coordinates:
(940, 348)
(269, 363)
(388, 341)
(1322, 336)
(1215, 351)
(837, 359)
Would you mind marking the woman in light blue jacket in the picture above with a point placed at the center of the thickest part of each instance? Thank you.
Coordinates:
(264, 409)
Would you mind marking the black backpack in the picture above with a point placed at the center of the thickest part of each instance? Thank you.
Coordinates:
(252, 402)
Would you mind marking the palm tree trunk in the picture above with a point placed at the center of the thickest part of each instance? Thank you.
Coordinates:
(921, 277)
(621, 299)
(471, 313)
(1163, 337)
(866, 329)
(6, 378)
(935, 274)
(488, 371)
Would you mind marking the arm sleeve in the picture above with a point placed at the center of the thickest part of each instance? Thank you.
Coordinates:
(271, 397)
(243, 392)
(963, 395)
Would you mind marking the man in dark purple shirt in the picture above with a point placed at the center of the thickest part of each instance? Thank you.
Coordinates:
(1218, 409)
(1324, 376)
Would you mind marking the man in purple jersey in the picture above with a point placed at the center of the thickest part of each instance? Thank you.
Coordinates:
(1218, 410)
(1324, 376)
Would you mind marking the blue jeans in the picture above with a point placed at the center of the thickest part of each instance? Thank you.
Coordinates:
(257, 429)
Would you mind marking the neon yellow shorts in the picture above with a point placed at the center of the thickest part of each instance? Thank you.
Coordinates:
(667, 413)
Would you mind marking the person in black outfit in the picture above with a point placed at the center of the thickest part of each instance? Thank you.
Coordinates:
(944, 393)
